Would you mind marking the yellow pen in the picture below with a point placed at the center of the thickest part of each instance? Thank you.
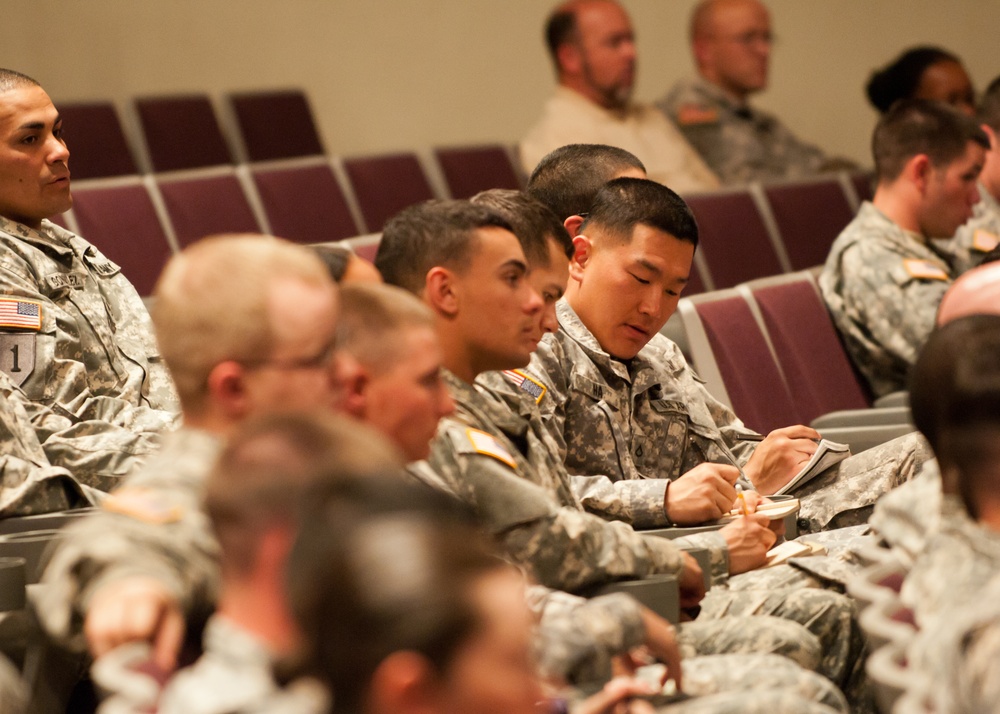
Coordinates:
(743, 502)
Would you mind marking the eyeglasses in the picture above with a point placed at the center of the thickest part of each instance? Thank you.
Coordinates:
(322, 359)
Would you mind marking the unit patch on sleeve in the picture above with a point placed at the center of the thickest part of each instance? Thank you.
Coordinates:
(485, 444)
(925, 270)
(526, 384)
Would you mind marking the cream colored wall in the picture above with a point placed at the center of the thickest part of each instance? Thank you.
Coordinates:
(389, 74)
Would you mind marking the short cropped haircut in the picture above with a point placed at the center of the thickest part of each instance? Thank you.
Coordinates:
(988, 111)
(533, 222)
(212, 304)
(335, 257)
(372, 320)
(430, 234)
(625, 203)
(916, 126)
(271, 464)
(10, 79)
(900, 79)
(567, 179)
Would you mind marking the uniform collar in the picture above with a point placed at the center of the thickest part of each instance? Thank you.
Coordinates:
(49, 237)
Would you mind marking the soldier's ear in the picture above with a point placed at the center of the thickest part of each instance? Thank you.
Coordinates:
(583, 251)
(572, 225)
(404, 682)
(440, 291)
(918, 170)
(227, 390)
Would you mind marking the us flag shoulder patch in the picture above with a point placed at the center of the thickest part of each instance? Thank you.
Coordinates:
(526, 384)
(21, 314)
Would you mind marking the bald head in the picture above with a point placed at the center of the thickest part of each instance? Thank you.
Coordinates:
(976, 292)
(731, 41)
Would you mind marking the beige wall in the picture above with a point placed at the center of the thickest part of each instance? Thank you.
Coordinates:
(389, 74)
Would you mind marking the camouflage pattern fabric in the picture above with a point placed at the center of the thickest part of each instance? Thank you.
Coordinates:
(96, 340)
(977, 237)
(154, 525)
(739, 143)
(29, 484)
(882, 286)
(654, 419)
(907, 516)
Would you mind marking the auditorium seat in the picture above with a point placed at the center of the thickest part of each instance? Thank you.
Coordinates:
(366, 246)
(95, 139)
(385, 184)
(731, 353)
(809, 215)
(276, 124)
(303, 200)
(119, 217)
(208, 201)
(182, 132)
(470, 169)
(807, 345)
(734, 237)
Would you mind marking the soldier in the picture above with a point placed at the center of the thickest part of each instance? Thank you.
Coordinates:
(981, 233)
(145, 566)
(593, 49)
(74, 335)
(253, 498)
(731, 41)
(397, 388)
(929, 73)
(884, 277)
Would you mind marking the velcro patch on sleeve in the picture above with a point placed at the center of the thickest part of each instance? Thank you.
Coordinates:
(485, 444)
(689, 114)
(925, 270)
(526, 384)
(142, 505)
(20, 314)
(984, 241)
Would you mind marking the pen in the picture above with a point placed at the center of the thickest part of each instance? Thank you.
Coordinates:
(739, 497)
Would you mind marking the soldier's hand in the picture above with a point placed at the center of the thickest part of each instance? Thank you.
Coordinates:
(704, 493)
(749, 538)
(617, 697)
(135, 609)
(780, 456)
(691, 582)
(661, 641)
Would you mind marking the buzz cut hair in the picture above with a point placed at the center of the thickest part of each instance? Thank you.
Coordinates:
(11, 79)
(431, 234)
(916, 126)
(988, 111)
(567, 179)
(624, 203)
(372, 321)
(533, 222)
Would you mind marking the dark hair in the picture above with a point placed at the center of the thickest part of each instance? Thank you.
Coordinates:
(560, 30)
(955, 396)
(918, 126)
(988, 111)
(533, 222)
(335, 258)
(378, 568)
(429, 234)
(624, 203)
(900, 79)
(567, 179)
(10, 79)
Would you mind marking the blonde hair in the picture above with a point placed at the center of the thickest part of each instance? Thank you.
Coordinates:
(212, 304)
(372, 320)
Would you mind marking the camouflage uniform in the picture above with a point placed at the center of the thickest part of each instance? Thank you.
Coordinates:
(907, 516)
(571, 118)
(81, 342)
(234, 676)
(655, 419)
(977, 237)
(479, 454)
(883, 285)
(739, 143)
(28, 482)
(153, 526)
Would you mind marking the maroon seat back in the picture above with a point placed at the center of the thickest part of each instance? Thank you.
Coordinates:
(470, 169)
(809, 217)
(182, 132)
(206, 205)
(276, 125)
(384, 185)
(304, 204)
(96, 142)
